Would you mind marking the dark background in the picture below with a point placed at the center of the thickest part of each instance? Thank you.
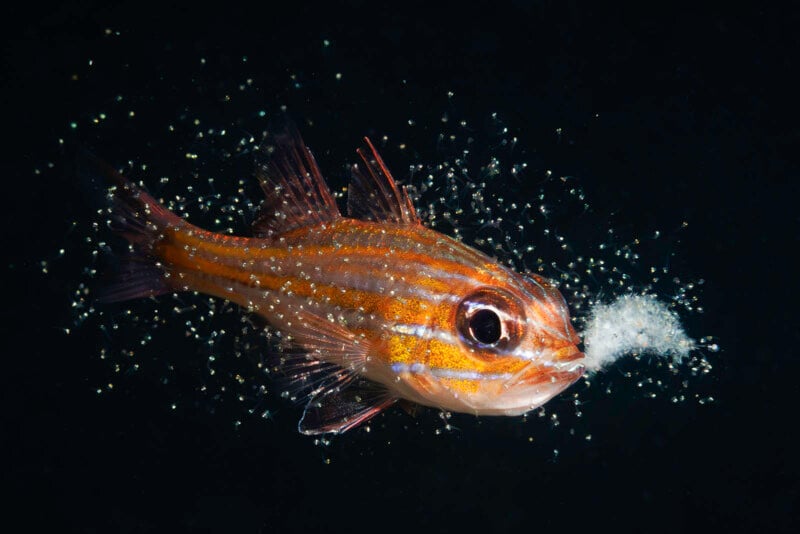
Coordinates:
(669, 113)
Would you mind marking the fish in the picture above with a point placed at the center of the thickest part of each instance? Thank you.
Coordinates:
(373, 307)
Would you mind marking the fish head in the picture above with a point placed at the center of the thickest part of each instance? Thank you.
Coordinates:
(512, 348)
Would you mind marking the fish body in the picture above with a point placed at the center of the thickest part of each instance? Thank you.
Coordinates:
(376, 306)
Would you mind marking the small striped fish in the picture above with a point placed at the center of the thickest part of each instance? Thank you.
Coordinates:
(377, 307)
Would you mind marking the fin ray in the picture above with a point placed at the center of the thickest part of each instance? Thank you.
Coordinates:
(140, 219)
(295, 190)
(324, 356)
(340, 410)
(136, 277)
(373, 194)
(324, 368)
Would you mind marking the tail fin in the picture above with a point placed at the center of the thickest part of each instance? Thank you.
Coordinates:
(135, 215)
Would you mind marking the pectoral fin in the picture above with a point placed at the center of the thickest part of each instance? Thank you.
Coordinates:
(339, 410)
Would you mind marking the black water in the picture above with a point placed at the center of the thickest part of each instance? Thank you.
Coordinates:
(668, 114)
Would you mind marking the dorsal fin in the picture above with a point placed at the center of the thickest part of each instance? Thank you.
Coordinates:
(296, 192)
(373, 194)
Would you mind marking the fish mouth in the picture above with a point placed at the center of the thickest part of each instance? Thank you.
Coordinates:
(539, 382)
(569, 360)
(565, 366)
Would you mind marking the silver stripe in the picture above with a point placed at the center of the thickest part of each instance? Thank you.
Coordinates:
(424, 332)
(442, 372)
(468, 375)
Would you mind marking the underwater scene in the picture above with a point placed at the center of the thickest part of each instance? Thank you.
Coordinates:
(307, 269)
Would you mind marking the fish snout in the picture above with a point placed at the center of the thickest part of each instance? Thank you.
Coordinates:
(568, 353)
(570, 359)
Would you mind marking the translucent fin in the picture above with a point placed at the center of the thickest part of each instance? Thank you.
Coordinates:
(339, 410)
(306, 377)
(411, 408)
(137, 277)
(373, 194)
(296, 192)
(140, 219)
(134, 213)
(329, 341)
(324, 357)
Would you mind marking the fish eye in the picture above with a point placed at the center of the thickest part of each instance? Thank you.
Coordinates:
(485, 327)
(490, 319)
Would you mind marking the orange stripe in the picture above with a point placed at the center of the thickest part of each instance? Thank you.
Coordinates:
(252, 250)
(360, 231)
(213, 263)
(190, 269)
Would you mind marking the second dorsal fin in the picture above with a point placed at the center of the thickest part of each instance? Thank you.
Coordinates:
(296, 192)
(373, 194)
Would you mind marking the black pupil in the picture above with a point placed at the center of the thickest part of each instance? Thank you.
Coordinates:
(485, 326)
